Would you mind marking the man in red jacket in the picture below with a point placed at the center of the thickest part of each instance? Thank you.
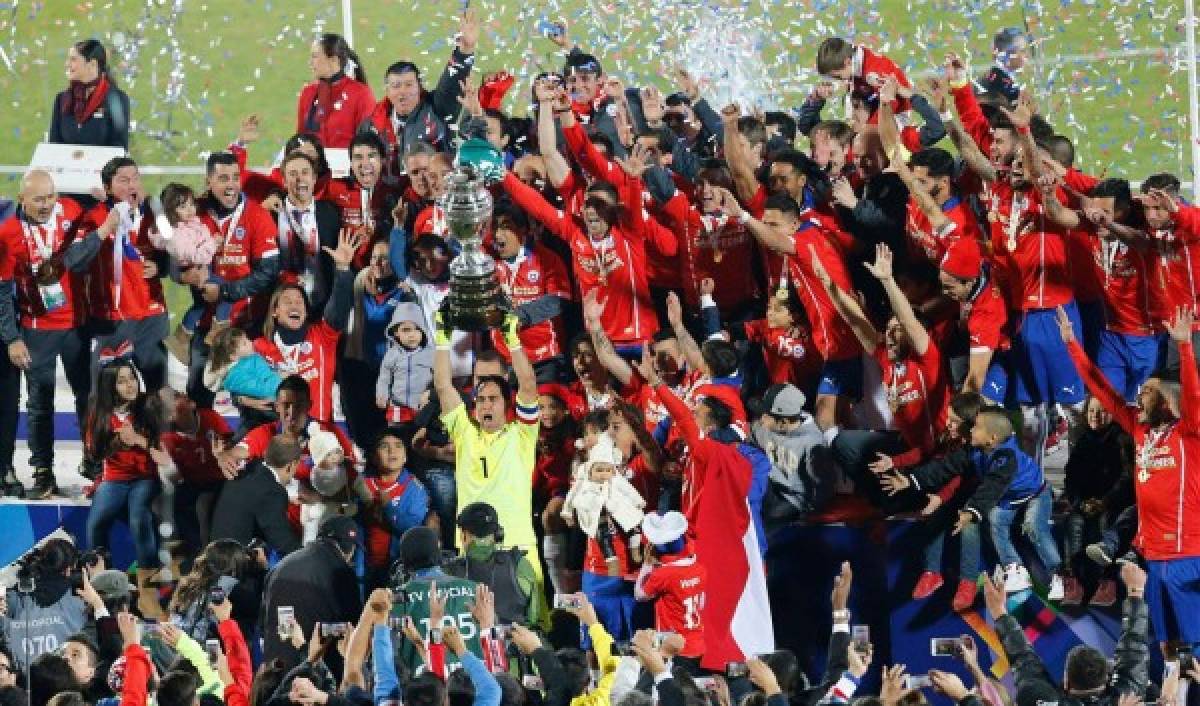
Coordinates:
(245, 267)
(43, 322)
(125, 303)
(1165, 425)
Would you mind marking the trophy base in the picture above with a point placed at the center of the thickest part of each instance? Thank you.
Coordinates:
(476, 303)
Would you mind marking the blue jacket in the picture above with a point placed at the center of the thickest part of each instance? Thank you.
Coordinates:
(1007, 476)
(252, 376)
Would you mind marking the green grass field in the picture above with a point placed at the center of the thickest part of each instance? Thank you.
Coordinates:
(193, 68)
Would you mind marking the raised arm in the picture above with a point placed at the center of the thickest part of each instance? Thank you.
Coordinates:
(527, 394)
(741, 166)
(763, 233)
(556, 222)
(553, 100)
(1096, 382)
(1056, 210)
(443, 382)
(901, 307)
(605, 352)
(691, 351)
(445, 97)
(849, 309)
(341, 297)
(1180, 329)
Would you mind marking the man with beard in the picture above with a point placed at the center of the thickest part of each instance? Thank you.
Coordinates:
(1164, 425)
(42, 322)
(244, 268)
(124, 295)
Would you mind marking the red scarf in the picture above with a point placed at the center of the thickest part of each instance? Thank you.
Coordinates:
(78, 103)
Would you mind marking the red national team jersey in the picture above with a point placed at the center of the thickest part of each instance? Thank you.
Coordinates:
(789, 354)
(918, 394)
(192, 453)
(535, 273)
(717, 247)
(985, 317)
(314, 359)
(1175, 267)
(869, 71)
(133, 297)
(932, 245)
(257, 439)
(1031, 249)
(1086, 278)
(247, 235)
(26, 246)
(832, 336)
(379, 535)
(643, 396)
(126, 464)
(1124, 272)
(615, 265)
(678, 586)
(359, 207)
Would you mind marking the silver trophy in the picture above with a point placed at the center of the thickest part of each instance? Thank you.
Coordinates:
(476, 301)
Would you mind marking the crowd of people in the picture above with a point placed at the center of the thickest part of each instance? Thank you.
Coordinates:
(721, 323)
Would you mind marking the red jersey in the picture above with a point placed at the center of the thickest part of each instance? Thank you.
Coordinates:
(192, 452)
(117, 288)
(334, 111)
(918, 394)
(931, 245)
(868, 71)
(1085, 276)
(832, 336)
(644, 397)
(616, 264)
(535, 273)
(662, 248)
(362, 207)
(245, 237)
(379, 536)
(26, 247)
(1175, 269)
(678, 585)
(1124, 272)
(126, 464)
(552, 469)
(713, 246)
(257, 439)
(1030, 248)
(984, 316)
(789, 353)
(314, 359)
(1166, 484)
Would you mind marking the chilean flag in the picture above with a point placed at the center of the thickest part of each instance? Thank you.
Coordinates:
(737, 614)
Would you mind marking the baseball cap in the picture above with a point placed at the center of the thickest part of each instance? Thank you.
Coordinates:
(480, 519)
(963, 259)
(111, 584)
(342, 530)
(782, 400)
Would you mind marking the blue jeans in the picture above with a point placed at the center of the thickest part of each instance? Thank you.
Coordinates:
(969, 551)
(114, 499)
(1035, 524)
(443, 499)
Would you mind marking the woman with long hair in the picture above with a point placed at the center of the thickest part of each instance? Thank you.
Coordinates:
(189, 609)
(122, 432)
(338, 99)
(92, 111)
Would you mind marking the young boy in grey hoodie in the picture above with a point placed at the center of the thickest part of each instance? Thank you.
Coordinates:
(407, 368)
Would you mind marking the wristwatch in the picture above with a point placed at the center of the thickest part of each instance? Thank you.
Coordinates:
(435, 636)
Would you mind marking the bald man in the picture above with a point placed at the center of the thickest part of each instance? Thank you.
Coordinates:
(45, 323)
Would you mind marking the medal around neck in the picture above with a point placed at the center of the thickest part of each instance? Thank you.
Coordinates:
(476, 301)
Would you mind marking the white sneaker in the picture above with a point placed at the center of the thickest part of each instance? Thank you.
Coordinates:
(1016, 579)
(1056, 589)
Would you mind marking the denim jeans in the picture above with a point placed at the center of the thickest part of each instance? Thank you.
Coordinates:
(969, 550)
(1035, 524)
(131, 499)
(443, 499)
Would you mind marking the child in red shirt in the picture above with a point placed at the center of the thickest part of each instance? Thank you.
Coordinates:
(675, 580)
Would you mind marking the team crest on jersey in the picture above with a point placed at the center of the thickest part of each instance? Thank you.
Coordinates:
(533, 276)
(66, 225)
(611, 109)
(306, 347)
(239, 233)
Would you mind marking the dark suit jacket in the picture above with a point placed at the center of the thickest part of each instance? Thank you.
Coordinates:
(254, 505)
(329, 224)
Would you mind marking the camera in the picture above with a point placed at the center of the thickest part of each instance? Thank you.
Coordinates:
(1186, 657)
(532, 682)
(216, 595)
(860, 637)
(945, 646)
(286, 615)
(736, 670)
(213, 649)
(334, 629)
(917, 681)
(567, 601)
